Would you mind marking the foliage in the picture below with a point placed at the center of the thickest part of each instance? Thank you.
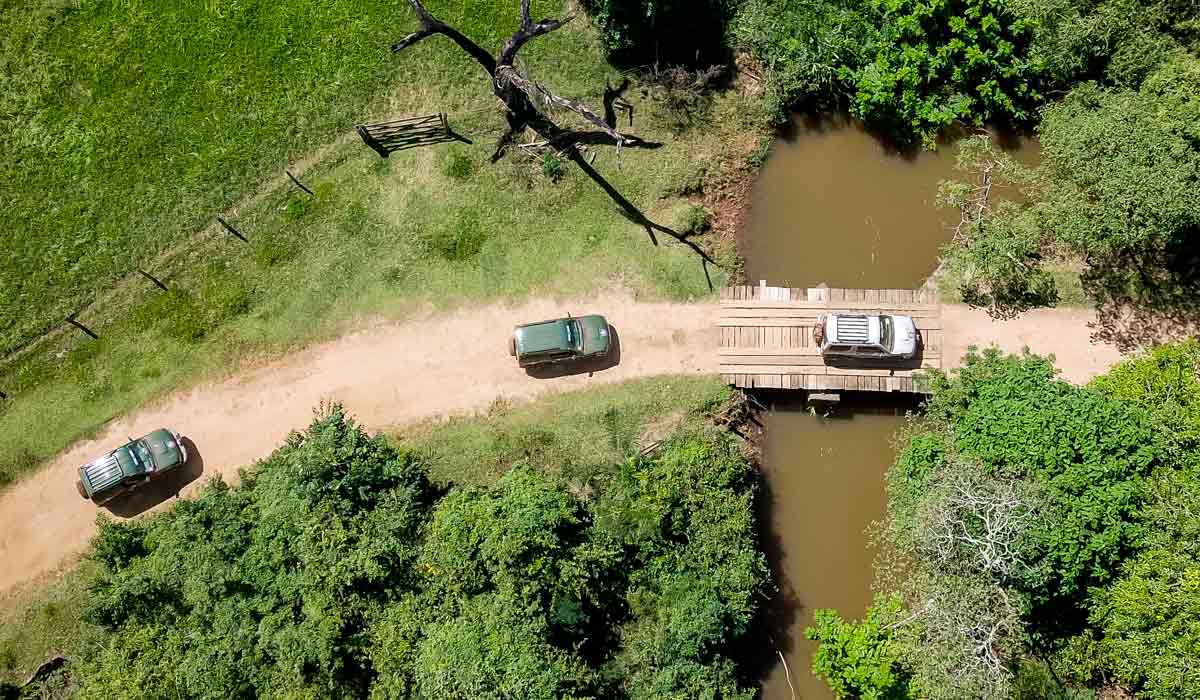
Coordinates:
(861, 659)
(1102, 146)
(1148, 621)
(1118, 40)
(335, 570)
(1150, 617)
(553, 167)
(805, 45)
(1088, 199)
(1165, 382)
(1090, 455)
(995, 255)
(1027, 514)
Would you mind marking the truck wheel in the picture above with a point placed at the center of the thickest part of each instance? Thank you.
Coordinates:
(82, 491)
(512, 347)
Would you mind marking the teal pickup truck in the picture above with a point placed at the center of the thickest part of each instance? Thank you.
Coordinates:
(560, 340)
(131, 465)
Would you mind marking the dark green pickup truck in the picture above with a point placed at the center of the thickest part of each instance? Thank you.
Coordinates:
(560, 340)
(131, 465)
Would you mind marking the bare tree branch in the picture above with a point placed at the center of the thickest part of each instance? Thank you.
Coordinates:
(522, 96)
(510, 75)
(430, 25)
(527, 32)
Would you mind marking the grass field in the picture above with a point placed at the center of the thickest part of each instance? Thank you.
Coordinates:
(575, 436)
(178, 128)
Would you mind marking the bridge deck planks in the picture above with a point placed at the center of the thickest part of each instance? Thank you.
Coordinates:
(766, 337)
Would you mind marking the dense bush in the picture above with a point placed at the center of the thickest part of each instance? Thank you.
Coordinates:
(335, 570)
(1089, 199)
(1148, 621)
(806, 45)
(938, 62)
(1029, 515)
(861, 659)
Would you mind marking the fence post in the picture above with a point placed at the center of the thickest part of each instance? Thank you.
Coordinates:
(300, 184)
(153, 279)
(71, 320)
(231, 230)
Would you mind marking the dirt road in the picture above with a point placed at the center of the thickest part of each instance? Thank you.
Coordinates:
(387, 376)
(397, 374)
(1064, 333)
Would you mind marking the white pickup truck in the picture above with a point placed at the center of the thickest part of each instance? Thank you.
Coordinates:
(867, 337)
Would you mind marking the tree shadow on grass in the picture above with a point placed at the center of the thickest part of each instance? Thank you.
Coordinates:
(158, 490)
(586, 366)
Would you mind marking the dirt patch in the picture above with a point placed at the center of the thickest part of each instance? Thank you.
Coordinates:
(387, 376)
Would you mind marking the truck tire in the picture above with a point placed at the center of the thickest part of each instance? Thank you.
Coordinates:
(512, 347)
(82, 491)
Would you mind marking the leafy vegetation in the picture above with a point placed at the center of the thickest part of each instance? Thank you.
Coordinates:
(1089, 201)
(937, 63)
(1029, 516)
(337, 570)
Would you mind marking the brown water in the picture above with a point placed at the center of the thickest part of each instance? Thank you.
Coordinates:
(832, 205)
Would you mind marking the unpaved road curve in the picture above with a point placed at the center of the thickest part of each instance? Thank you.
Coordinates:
(386, 376)
(441, 365)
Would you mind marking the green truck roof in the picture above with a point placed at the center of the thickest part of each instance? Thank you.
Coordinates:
(547, 336)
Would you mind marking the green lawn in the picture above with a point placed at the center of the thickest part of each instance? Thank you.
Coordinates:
(578, 433)
(182, 113)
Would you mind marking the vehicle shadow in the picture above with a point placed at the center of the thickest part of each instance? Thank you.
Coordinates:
(585, 366)
(158, 490)
(878, 363)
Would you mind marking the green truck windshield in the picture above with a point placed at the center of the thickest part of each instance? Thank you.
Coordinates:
(574, 335)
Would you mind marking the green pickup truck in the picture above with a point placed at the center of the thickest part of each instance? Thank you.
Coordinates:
(560, 340)
(131, 465)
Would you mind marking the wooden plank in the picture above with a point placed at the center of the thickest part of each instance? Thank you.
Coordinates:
(777, 360)
(773, 369)
(739, 351)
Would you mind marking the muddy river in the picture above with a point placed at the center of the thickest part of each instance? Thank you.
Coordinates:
(833, 205)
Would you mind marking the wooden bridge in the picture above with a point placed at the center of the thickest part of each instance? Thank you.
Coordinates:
(767, 338)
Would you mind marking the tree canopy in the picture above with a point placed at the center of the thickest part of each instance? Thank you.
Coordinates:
(1030, 516)
(336, 570)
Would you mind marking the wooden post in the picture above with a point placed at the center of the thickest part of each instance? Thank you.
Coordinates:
(153, 279)
(71, 320)
(231, 230)
(300, 184)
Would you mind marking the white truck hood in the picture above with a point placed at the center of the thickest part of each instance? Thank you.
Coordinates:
(905, 342)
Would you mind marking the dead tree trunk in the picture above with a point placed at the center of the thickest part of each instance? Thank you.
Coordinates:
(521, 97)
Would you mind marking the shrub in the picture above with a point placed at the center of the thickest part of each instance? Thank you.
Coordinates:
(861, 659)
(457, 165)
(553, 167)
(940, 62)
(460, 239)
